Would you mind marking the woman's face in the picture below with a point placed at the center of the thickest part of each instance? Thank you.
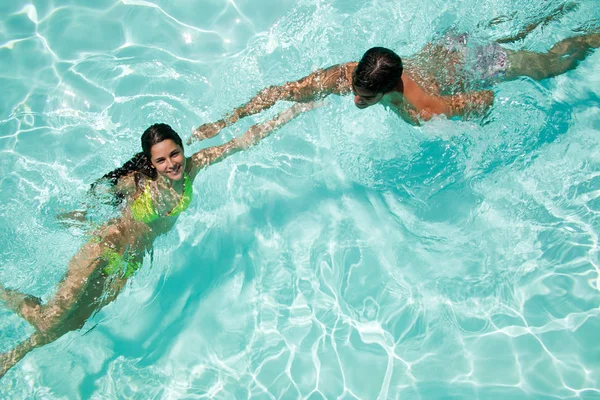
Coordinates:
(168, 159)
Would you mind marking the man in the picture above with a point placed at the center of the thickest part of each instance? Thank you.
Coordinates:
(441, 79)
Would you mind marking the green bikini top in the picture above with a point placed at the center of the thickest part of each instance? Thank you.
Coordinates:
(143, 209)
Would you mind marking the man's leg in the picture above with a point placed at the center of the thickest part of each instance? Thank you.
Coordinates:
(562, 57)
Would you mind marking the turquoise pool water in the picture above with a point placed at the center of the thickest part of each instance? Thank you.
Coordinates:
(348, 256)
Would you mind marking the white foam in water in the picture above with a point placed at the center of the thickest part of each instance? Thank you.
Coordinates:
(31, 13)
(349, 255)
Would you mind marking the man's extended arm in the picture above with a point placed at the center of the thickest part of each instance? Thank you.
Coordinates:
(323, 82)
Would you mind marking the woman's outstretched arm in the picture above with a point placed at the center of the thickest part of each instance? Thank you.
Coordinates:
(253, 135)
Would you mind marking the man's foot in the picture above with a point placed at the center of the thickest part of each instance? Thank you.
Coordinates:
(554, 15)
(593, 39)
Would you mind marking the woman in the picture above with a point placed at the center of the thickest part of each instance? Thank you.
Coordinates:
(157, 186)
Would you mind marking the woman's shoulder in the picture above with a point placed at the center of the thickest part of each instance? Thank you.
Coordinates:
(132, 182)
(194, 164)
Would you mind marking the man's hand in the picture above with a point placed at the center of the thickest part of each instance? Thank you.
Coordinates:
(317, 85)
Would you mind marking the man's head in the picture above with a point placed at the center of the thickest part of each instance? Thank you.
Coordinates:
(377, 73)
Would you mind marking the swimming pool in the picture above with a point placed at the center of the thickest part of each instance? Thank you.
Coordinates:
(350, 255)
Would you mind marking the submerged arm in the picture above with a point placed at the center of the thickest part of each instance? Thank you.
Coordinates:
(317, 85)
(470, 104)
(253, 135)
(124, 189)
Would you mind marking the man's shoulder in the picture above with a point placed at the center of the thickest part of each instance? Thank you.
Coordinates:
(342, 69)
(336, 78)
(349, 68)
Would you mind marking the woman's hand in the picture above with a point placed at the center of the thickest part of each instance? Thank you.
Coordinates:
(206, 131)
(257, 132)
(253, 135)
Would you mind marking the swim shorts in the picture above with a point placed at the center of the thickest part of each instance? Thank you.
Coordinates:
(484, 63)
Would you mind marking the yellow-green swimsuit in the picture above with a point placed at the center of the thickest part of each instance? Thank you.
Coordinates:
(119, 264)
(143, 210)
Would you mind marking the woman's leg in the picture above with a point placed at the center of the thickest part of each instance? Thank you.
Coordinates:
(8, 360)
(95, 276)
(562, 57)
(16, 300)
(80, 294)
(83, 267)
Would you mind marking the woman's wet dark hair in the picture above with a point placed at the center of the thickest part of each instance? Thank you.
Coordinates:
(140, 163)
(378, 71)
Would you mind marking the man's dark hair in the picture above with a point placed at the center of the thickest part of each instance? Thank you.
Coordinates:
(378, 71)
